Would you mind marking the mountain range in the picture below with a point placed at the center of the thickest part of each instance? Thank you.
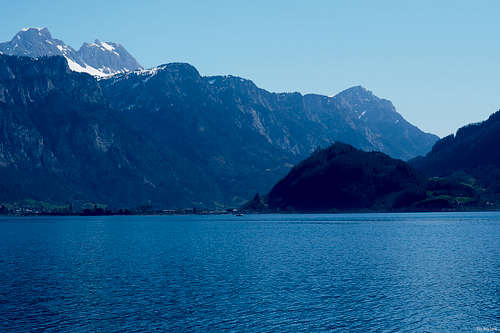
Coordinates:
(98, 58)
(166, 135)
(461, 172)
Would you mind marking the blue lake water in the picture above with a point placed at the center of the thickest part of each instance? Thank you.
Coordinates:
(360, 272)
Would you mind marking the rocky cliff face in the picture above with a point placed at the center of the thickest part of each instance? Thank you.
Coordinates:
(176, 108)
(27, 80)
(59, 141)
(168, 135)
(299, 124)
(291, 122)
(383, 127)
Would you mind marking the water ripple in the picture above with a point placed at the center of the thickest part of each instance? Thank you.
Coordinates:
(266, 273)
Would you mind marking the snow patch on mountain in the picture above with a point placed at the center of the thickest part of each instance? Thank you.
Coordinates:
(36, 28)
(107, 46)
(75, 67)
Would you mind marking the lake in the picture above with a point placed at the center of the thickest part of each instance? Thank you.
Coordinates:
(351, 272)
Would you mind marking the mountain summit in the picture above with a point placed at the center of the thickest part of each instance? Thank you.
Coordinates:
(98, 58)
(108, 57)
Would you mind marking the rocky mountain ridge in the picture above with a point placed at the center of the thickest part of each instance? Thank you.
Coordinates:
(292, 122)
(98, 58)
(167, 135)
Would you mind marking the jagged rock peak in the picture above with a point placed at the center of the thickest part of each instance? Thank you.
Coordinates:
(98, 58)
(356, 92)
(41, 32)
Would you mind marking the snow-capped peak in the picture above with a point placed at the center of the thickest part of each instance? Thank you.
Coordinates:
(99, 58)
(103, 46)
(109, 57)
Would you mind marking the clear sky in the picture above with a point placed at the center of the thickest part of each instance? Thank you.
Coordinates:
(437, 61)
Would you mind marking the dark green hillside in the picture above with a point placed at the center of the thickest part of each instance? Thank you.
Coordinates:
(472, 155)
(343, 178)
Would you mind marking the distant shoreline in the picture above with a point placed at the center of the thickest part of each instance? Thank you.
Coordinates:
(208, 213)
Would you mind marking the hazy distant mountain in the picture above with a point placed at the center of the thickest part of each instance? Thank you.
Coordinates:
(108, 57)
(98, 58)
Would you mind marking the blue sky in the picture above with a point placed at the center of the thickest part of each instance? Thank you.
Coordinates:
(437, 61)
